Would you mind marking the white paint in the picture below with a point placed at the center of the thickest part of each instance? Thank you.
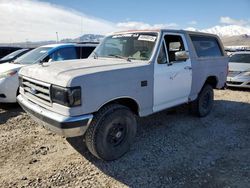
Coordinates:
(172, 84)
(9, 85)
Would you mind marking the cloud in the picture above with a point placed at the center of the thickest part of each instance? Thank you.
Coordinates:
(22, 20)
(193, 22)
(141, 25)
(34, 21)
(230, 21)
(191, 29)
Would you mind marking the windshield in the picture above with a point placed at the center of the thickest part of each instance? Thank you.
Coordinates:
(33, 56)
(240, 58)
(130, 46)
(13, 54)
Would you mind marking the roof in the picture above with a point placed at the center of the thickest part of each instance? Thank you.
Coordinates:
(138, 31)
(165, 30)
(58, 44)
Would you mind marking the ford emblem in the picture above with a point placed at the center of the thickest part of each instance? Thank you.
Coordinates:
(33, 91)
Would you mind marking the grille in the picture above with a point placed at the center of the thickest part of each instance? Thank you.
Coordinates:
(36, 90)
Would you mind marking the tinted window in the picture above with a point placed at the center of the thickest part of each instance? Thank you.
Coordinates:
(206, 46)
(14, 54)
(86, 51)
(240, 58)
(4, 52)
(7, 50)
(62, 54)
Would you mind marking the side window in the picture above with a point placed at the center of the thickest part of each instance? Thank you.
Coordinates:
(206, 46)
(174, 44)
(86, 51)
(162, 57)
(78, 52)
(62, 54)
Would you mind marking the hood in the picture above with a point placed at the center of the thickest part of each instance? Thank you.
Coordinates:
(61, 73)
(239, 67)
(9, 66)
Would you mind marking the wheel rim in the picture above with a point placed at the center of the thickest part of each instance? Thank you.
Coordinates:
(117, 133)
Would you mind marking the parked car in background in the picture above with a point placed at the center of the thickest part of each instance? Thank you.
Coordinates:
(5, 50)
(56, 52)
(239, 70)
(14, 55)
(130, 73)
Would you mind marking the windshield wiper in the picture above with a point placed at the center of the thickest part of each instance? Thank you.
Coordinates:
(120, 57)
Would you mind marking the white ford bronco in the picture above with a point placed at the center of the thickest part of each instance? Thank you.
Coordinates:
(133, 73)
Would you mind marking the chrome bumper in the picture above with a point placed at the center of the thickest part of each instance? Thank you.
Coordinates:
(59, 124)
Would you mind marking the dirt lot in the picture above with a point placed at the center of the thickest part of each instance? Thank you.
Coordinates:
(172, 149)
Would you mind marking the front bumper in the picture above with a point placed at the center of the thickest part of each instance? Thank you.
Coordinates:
(59, 124)
(238, 81)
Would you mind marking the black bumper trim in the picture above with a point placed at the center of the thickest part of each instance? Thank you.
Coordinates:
(60, 125)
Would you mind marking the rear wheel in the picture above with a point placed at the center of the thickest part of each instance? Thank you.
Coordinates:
(203, 105)
(111, 132)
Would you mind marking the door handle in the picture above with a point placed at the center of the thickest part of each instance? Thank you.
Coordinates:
(188, 68)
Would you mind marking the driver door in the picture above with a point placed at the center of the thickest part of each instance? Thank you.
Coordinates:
(172, 79)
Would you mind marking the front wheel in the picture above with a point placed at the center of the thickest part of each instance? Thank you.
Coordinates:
(111, 132)
(203, 105)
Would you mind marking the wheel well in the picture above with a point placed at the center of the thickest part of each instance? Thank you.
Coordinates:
(128, 102)
(212, 80)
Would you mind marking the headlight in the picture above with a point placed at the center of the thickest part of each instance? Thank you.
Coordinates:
(8, 74)
(66, 96)
(246, 73)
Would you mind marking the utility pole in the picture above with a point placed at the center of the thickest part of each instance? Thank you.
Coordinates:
(27, 40)
(81, 29)
(57, 39)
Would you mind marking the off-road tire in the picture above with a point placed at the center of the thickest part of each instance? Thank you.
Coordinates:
(203, 105)
(99, 137)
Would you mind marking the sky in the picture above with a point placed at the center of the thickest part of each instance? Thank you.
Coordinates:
(183, 12)
(36, 20)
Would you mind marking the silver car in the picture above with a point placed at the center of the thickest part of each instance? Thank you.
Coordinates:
(239, 70)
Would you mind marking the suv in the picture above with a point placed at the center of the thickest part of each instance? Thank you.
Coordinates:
(134, 73)
(48, 53)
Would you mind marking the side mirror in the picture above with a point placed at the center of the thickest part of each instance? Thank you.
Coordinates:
(181, 56)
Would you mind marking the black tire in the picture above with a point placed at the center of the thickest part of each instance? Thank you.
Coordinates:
(111, 132)
(203, 105)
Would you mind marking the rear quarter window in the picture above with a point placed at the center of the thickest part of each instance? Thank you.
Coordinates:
(206, 46)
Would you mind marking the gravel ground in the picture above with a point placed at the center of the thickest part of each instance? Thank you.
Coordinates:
(172, 149)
